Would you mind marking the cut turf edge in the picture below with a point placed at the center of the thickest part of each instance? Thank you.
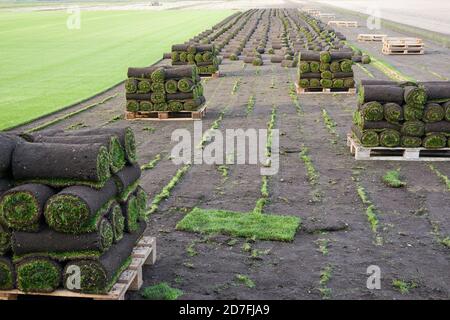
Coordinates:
(241, 224)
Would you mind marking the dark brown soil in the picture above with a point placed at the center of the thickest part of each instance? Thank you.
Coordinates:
(412, 220)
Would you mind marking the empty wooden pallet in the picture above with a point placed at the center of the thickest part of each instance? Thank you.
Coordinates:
(343, 23)
(365, 37)
(144, 253)
(301, 90)
(398, 45)
(397, 154)
(327, 15)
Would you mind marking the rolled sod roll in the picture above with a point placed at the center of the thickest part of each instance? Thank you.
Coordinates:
(194, 104)
(342, 75)
(132, 105)
(126, 178)
(411, 142)
(141, 72)
(7, 274)
(304, 67)
(357, 58)
(175, 106)
(413, 128)
(340, 55)
(325, 56)
(435, 90)
(326, 75)
(145, 106)
(79, 209)
(338, 83)
(434, 141)
(381, 93)
(58, 164)
(446, 107)
(32, 136)
(158, 87)
(38, 275)
(179, 47)
(158, 75)
(433, 112)
(5, 240)
(304, 83)
(393, 112)
(131, 85)
(111, 142)
(7, 145)
(180, 72)
(125, 135)
(185, 85)
(142, 199)
(374, 82)
(99, 276)
(415, 96)
(326, 83)
(171, 86)
(132, 212)
(335, 67)
(138, 96)
(160, 106)
(21, 208)
(158, 97)
(205, 48)
(144, 86)
(276, 59)
(192, 49)
(167, 55)
(48, 240)
(365, 59)
(288, 63)
(117, 221)
(248, 59)
(310, 56)
(314, 83)
(372, 111)
(349, 83)
(314, 66)
(324, 66)
(373, 125)
(441, 126)
(413, 112)
(390, 138)
(198, 57)
(180, 96)
(346, 65)
(368, 138)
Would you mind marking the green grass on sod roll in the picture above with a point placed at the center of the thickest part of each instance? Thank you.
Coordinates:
(144, 86)
(171, 86)
(132, 213)
(131, 86)
(59, 256)
(19, 210)
(117, 222)
(99, 59)
(435, 140)
(5, 240)
(7, 276)
(247, 225)
(38, 275)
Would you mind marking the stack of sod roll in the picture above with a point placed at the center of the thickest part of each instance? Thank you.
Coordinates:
(68, 200)
(168, 88)
(407, 114)
(204, 56)
(327, 69)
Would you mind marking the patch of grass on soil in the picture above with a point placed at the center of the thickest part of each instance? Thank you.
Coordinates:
(250, 104)
(152, 163)
(325, 276)
(311, 172)
(441, 176)
(247, 225)
(392, 179)
(403, 286)
(245, 280)
(161, 291)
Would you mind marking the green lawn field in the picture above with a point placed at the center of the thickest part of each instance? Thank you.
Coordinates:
(46, 66)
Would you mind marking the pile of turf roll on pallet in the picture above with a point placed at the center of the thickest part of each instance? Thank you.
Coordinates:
(203, 56)
(168, 88)
(406, 114)
(325, 69)
(68, 199)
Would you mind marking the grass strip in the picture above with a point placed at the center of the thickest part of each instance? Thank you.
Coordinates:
(392, 179)
(161, 291)
(441, 176)
(250, 104)
(325, 277)
(152, 163)
(246, 225)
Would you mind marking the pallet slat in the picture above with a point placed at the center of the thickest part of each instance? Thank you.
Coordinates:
(397, 154)
(130, 280)
(166, 115)
(371, 37)
(343, 23)
(301, 90)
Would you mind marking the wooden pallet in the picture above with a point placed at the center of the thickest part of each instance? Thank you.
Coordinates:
(343, 23)
(167, 115)
(144, 253)
(327, 15)
(301, 90)
(313, 12)
(364, 37)
(399, 45)
(397, 154)
(214, 75)
(393, 51)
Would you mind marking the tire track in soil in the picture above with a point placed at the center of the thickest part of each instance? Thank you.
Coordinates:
(406, 235)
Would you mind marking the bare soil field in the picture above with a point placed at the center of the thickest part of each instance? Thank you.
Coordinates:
(335, 239)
